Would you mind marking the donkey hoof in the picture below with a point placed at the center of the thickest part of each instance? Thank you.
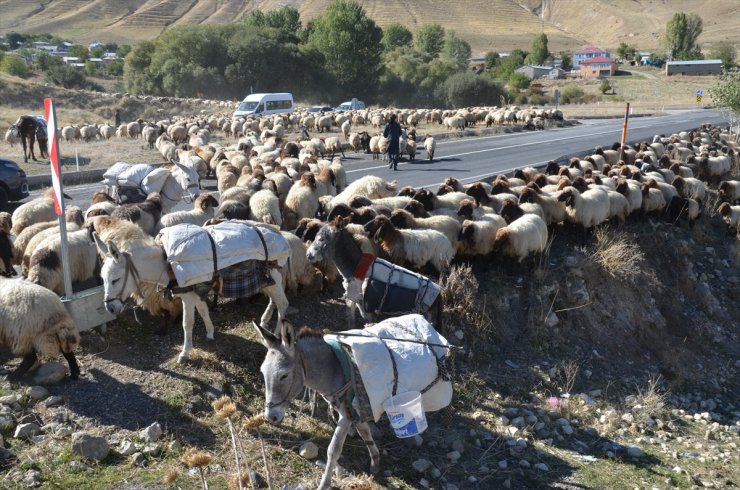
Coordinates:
(374, 468)
(182, 358)
(209, 337)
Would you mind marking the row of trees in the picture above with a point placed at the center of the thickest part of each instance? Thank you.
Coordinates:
(340, 54)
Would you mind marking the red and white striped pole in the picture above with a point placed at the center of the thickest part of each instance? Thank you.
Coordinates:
(56, 181)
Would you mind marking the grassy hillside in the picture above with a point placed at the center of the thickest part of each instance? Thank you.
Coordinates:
(486, 24)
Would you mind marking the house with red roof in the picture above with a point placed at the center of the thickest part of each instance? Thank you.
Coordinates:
(586, 54)
(598, 67)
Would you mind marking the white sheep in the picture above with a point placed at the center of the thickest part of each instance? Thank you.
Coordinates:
(204, 208)
(414, 247)
(729, 190)
(299, 272)
(370, 186)
(12, 137)
(46, 269)
(588, 209)
(430, 145)
(35, 211)
(264, 206)
(521, 237)
(448, 226)
(34, 321)
(302, 201)
(731, 215)
(477, 237)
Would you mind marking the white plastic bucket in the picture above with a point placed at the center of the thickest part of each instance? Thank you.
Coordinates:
(406, 414)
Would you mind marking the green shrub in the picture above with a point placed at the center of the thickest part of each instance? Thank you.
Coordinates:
(66, 76)
(14, 65)
(467, 89)
(518, 81)
(570, 94)
(605, 86)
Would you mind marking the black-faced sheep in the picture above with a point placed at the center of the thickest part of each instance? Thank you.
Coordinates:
(521, 237)
(554, 210)
(432, 201)
(729, 191)
(477, 237)
(681, 207)
(588, 209)
(731, 215)
(34, 321)
(449, 227)
(414, 247)
(7, 249)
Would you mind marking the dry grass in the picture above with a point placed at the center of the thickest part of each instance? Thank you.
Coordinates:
(461, 301)
(618, 256)
(650, 400)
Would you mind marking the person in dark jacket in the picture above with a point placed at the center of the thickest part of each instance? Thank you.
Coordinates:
(392, 132)
(117, 118)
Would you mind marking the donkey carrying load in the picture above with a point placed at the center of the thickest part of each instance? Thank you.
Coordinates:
(355, 372)
(129, 183)
(237, 258)
(374, 286)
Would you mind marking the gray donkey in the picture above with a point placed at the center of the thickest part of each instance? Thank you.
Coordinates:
(293, 362)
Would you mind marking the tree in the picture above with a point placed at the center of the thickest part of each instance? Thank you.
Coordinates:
(396, 36)
(457, 49)
(136, 74)
(538, 53)
(726, 95)
(66, 76)
(124, 50)
(467, 89)
(680, 36)
(567, 61)
(14, 40)
(97, 52)
(350, 43)
(79, 51)
(492, 59)
(519, 81)
(605, 86)
(90, 68)
(44, 61)
(430, 38)
(726, 52)
(14, 65)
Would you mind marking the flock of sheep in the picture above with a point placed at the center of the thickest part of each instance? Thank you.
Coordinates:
(293, 186)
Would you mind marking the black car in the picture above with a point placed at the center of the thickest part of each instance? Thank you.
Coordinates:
(13, 183)
(320, 108)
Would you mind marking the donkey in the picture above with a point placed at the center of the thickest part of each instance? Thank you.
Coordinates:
(334, 243)
(307, 360)
(137, 259)
(30, 129)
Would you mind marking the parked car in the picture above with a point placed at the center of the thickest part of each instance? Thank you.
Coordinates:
(320, 108)
(13, 183)
(351, 105)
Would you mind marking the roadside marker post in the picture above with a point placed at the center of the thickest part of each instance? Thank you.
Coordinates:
(56, 180)
(624, 130)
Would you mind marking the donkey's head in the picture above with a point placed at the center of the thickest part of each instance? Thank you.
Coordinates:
(115, 274)
(284, 374)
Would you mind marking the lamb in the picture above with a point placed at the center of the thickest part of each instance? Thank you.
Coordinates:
(340, 174)
(729, 191)
(204, 208)
(523, 236)
(355, 141)
(632, 192)
(302, 201)
(731, 215)
(449, 227)
(681, 207)
(477, 237)
(619, 207)
(333, 145)
(102, 204)
(73, 217)
(326, 182)
(430, 145)
(264, 206)
(227, 176)
(145, 214)
(35, 211)
(45, 268)
(652, 199)
(588, 209)
(415, 247)
(34, 321)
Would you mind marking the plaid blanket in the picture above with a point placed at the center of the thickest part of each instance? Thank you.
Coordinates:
(245, 279)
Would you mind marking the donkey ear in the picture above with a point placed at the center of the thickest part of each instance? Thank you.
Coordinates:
(101, 245)
(266, 337)
(113, 249)
(287, 335)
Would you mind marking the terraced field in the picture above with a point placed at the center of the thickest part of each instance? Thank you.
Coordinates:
(487, 24)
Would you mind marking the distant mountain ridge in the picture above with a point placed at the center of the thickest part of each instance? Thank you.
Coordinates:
(499, 25)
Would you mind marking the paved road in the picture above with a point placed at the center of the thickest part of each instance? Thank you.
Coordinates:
(474, 158)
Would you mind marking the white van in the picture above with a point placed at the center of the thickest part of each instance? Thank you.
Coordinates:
(352, 105)
(264, 104)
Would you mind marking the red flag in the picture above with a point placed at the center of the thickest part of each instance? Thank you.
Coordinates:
(56, 180)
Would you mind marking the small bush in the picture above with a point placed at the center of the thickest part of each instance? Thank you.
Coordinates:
(619, 257)
(66, 76)
(14, 65)
(605, 86)
(519, 81)
(570, 94)
(461, 303)
(467, 89)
